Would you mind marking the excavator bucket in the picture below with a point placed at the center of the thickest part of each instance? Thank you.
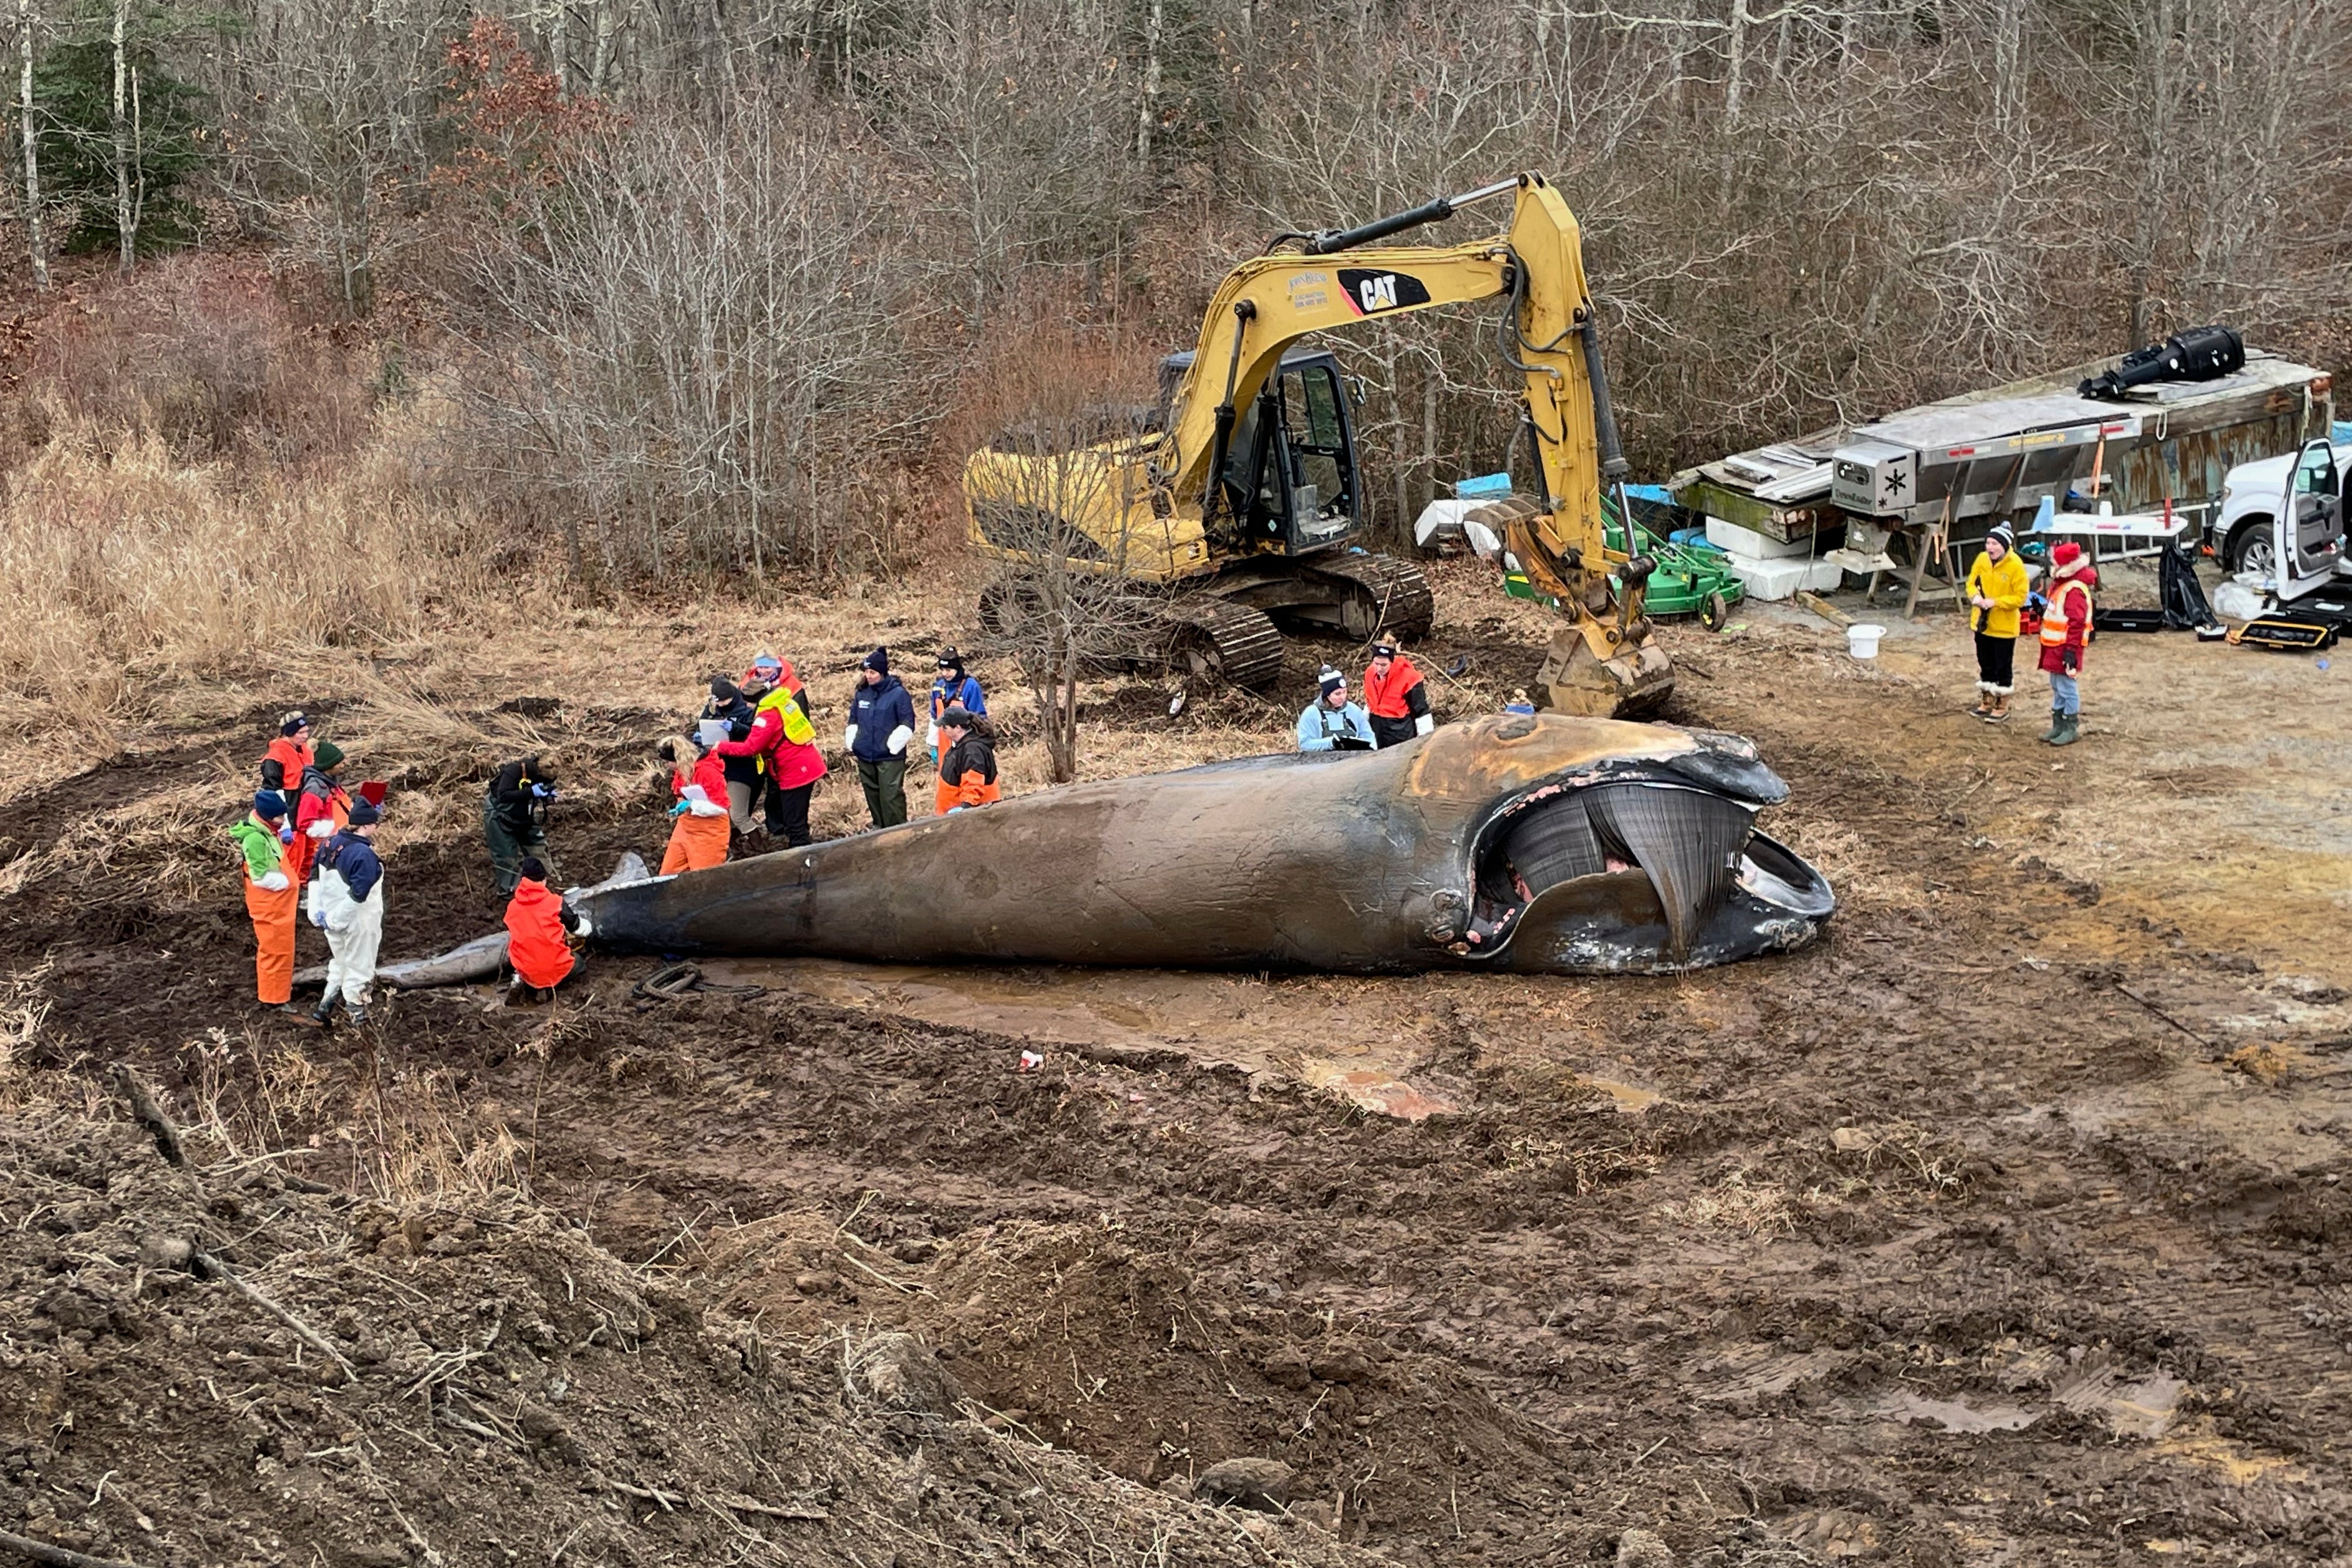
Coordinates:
(1597, 667)
(1632, 684)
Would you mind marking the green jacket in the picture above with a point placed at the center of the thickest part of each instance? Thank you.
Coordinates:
(259, 840)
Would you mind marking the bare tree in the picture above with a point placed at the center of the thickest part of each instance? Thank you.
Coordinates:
(34, 236)
(334, 142)
(1059, 601)
(694, 344)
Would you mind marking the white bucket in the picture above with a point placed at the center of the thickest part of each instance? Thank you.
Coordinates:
(1861, 639)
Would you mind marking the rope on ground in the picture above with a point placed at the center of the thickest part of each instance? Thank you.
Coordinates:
(675, 980)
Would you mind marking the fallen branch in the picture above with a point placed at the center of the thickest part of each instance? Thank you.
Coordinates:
(55, 1556)
(745, 1505)
(151, 1115)
(214, 1268)
(668, 1502)
(898, 1285)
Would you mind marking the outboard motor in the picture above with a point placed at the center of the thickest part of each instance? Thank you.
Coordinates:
(2201, 354)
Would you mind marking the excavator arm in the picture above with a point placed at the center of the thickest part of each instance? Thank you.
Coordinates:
(1609, 664)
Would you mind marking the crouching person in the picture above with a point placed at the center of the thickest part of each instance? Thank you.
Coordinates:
(347, 902)
(967, 764)
(538, 923)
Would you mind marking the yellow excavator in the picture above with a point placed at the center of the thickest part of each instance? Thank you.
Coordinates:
(1243, 483)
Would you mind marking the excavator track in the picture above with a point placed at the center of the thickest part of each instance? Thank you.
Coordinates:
(1217, 639)
(1377, 593)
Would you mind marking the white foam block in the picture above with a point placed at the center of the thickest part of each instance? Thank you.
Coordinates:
(1783, 579)
(1736, 541)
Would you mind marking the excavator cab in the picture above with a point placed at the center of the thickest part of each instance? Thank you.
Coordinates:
(1290, 478)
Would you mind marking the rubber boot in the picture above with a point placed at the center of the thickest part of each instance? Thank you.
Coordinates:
(2000, 715)
(320, 1017)
(357, 1015)
(2057, 724)
(2070, 729)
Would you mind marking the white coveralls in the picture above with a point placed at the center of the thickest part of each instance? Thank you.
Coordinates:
(354, 931)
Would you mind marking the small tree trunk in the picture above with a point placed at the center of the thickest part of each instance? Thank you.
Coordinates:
(126, 221)
(32, 153)
(1149, 110)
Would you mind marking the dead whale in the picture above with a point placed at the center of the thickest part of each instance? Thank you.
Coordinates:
(1544, 844)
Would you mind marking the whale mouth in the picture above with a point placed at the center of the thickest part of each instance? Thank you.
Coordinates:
(1689, 842)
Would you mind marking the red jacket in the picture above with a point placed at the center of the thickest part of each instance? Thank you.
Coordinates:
(1391, 696)
(313, 811)
(2066, 619)
(781, 736)
(535, 943)
(708, 772)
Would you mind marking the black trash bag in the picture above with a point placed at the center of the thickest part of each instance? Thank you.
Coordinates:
(2183, 596)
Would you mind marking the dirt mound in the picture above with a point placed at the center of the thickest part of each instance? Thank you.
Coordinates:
(213, 1365)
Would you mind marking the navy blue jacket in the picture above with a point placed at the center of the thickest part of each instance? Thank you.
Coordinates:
(875, 711)
(353, 859)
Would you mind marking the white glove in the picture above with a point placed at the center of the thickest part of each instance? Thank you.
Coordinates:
(931, 737)
(322, 828)
(899, 739)
(849, 737)
(275, 882)
(1425, 724)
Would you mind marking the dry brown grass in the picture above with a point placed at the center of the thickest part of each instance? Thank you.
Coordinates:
(127, 568)
(24, 1009)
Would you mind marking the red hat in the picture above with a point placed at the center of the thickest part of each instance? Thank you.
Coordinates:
(2066, 556)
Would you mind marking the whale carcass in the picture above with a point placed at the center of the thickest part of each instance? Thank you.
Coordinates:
(1543, 843)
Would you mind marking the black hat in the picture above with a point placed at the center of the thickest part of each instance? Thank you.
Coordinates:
(956, 716)
(365, 813)
(534, 869)
(293, 724)
(2004, 533)
(724, 689)
(1385, 649)
(1330, 681)
(951, 659)
(879, 661)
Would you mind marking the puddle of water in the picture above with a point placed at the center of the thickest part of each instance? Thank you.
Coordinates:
(2141, 1408)
(1374, 1090)
(2240, 1464)
(1631, 1098)
(1952, 1415)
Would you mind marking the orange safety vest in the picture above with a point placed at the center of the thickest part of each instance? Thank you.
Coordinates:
(2053, 616)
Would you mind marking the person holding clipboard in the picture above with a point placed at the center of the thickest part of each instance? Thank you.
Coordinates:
(1331, 722)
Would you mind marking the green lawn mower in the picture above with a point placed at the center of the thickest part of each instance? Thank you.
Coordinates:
(1691, 579)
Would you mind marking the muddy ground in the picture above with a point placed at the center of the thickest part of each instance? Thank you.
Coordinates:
(2003, 1225)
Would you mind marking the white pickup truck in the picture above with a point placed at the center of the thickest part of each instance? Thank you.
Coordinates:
(2242, 532)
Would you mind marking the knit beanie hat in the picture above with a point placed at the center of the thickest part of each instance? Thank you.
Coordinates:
(723, 689)
(879, 661)
(956, 717)
(328, 756)
(951, 659)
(293, 724)
(2005, 534)
(365, 814)
(533, 869)
(1385, 649)
(268, 805)
(2066, 556)
(1330, 681)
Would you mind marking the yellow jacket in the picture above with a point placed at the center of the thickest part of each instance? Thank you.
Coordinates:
(2002, 582)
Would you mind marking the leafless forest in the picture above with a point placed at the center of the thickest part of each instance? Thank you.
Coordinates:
(709, 285)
